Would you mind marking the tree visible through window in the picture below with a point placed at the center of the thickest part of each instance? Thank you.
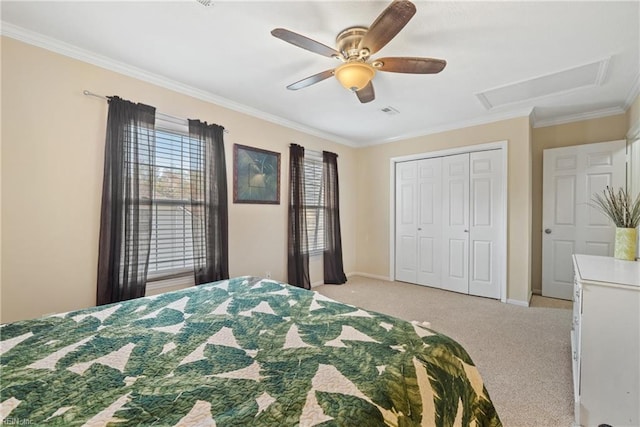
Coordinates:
(314, 201)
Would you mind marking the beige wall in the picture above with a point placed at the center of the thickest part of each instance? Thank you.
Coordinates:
(633, 141)
(634, 116)
(584, 132)
(372, 250)
(51, 174)
(52, 163)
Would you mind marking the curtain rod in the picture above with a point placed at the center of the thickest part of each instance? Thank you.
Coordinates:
(89, 93)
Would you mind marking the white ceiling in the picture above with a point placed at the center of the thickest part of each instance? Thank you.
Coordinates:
(225, 53)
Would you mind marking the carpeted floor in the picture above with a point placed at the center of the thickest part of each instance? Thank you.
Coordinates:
(523, 354)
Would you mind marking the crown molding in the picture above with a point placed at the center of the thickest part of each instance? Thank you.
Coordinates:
(66, 49)
(633, 93)
(48, 43)
(527, 112)
(561, 120)
(533, 117)
(634, 132)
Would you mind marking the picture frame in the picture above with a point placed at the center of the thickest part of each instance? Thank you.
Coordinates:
(256, 175)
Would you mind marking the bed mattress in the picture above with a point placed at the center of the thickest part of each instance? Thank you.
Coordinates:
(240, 352)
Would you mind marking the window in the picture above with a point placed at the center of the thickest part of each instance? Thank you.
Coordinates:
(171, 251)
(314, 201)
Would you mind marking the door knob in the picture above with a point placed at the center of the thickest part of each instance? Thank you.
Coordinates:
(466, 231)
(547, 230)
(419, 229)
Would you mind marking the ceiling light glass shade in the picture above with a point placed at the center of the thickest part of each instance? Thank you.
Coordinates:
(354, 75)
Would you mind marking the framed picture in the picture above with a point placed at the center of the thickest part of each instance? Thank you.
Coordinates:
(256, 175)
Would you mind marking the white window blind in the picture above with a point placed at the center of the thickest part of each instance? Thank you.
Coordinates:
(171, 251)
(314, 201)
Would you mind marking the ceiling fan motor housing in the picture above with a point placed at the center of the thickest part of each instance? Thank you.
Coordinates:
(348, 42)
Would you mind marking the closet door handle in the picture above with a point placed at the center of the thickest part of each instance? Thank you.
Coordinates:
(419, 229)
(466, 231)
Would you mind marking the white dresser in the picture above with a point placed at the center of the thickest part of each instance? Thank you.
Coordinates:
(605, 341)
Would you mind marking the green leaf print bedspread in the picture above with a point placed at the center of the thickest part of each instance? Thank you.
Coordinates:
(240, 352)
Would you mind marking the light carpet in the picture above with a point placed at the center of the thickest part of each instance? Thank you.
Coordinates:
(523, 353)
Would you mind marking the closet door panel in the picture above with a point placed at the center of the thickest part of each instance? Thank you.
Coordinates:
(429, 230)
(406, 221)
(485, 222)
(455, 223)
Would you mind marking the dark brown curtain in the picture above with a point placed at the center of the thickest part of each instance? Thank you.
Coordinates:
(298, 255)
(127, 192)
(209, 205)
(333, 268)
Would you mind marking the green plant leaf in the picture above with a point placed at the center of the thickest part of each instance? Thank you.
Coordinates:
(618, 207)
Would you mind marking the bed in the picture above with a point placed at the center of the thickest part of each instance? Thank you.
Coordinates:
(240, 352)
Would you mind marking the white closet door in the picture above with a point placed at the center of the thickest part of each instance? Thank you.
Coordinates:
(455, 224)
(406, 221)
(485, 222)
(429, 221)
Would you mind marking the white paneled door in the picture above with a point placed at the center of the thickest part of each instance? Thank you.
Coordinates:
(571, 175)
(418, 227)
(449, 222)
(406, 222)
(429, 221)
(485, 223)
(455, 224)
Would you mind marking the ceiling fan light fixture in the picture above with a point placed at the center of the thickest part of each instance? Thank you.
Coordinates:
(354, 75)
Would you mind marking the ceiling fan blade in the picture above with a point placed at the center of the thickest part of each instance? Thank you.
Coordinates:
(304, 42)
(387, 25)
(410, 65)
(366, 94)
(311, 80)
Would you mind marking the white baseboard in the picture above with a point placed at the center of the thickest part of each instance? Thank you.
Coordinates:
(520, 302)
(386, 278)
(370, 276)
(517, 302)
(318, 283)
(355, 273)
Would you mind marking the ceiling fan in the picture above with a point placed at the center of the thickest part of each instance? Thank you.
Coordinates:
(355, 45)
